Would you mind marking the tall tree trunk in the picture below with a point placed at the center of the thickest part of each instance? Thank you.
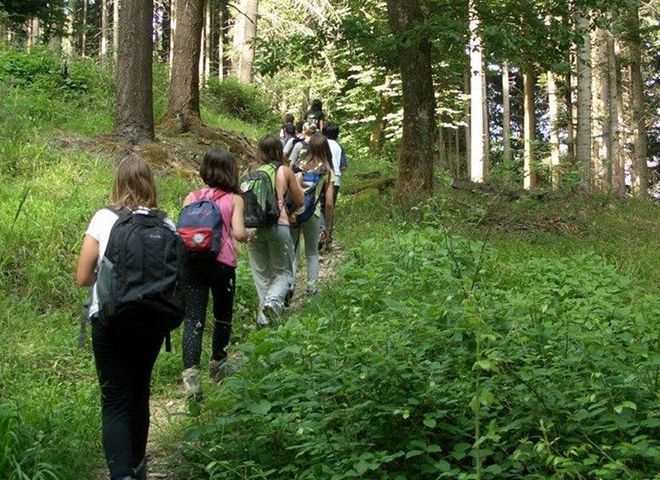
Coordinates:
(245, 71)
(584, 100)
(640, 167)
(467, 130)
(600, 158)
(506, 112)
(553, 117)
(377, 138)
(224, 23)
(183, 103)
(33, 37)
(614, 114)
(415, 173)
(174, 5)
(476, 163)
(134, 120)
(529, 128)
(83, 33)
(115, 29)
(570, 117)
(208, 44)
(103, 50)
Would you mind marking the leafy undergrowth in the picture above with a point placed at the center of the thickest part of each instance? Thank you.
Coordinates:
(434, 356)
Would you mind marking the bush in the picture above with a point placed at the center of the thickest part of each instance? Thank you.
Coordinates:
(433, 359)
(245, 102)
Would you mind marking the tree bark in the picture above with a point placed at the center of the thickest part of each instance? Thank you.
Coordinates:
(584, 100)
(183, 103)
(477, 132)
(615, 112)
(115, 29)
(640, 167)
(506, 112)
(529, 128)
(245, 71)
(103, 48)
(415, 174)
(553, 118)
(134, 119)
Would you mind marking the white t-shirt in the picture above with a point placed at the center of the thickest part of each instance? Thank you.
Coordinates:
(99, 229)
(335, 148)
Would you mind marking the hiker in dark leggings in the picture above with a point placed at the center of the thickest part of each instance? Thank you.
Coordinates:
(123, 361)
(219, 172)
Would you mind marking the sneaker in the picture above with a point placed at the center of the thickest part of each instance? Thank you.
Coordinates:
(262, 321)
(219, 369)
(270, 312)
(191, 382)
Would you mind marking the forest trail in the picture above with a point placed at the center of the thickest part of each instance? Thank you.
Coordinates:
(168, 407)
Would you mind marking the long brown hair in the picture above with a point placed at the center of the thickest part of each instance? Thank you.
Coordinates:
(318, 153)
(134, 185)
(219, 170)
(270, 150)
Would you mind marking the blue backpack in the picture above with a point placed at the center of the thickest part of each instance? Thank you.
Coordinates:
(310, 182)
(200, 225)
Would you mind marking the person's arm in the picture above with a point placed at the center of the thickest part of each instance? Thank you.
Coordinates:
(238, 229)
(294, 187)
(89, 255)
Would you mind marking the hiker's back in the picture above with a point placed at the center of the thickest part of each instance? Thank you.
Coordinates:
(139, 279)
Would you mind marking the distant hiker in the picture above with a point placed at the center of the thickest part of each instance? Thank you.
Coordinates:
(271, 254)
(289, 134)
(299, 136)
(338, 155)
(289, 119)
(300, 149)
(315, 114)
(317, 163)
(214, 273)
(125, 356)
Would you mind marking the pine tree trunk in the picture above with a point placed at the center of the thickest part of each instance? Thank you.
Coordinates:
(245, 71)
(183, 103)
(134, 119)
(476, 162)
(506, 112)
(103, 50)
(584, 100)
(529, 128)
(640, 178)
(553, 118)
(415, 169)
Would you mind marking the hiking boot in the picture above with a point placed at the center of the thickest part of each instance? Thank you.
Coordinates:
(270, 312)
(262, 321)
(312, 290)
(191, 382)
(219, 369)
(140, 472)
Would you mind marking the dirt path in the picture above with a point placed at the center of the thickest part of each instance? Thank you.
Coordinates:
(167, 408)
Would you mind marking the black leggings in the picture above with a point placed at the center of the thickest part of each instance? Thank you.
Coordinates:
(220, 280)
(123, 364)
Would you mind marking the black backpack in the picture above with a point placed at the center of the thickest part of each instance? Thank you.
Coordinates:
(260, 197)
(139, 281)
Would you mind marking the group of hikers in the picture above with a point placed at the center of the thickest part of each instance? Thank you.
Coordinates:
(148, 275)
